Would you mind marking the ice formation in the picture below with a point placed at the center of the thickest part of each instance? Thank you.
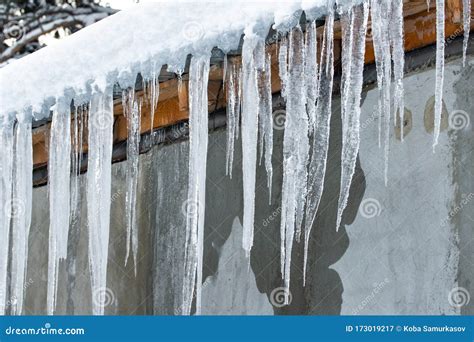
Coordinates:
(132, 111)
(101, 119)
(59, 171)
(295, 150)
(6, 170)
(438, 108)
(320, 144)
(195, 204)
(306, 75)
(20, 209)
(76, 161)
(354, 29)
(252, 48)
(233, 88)
(265, 118)
(466, 26)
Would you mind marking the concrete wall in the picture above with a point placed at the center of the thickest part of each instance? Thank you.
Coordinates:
(405, 257)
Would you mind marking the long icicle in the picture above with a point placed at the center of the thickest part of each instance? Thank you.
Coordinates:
(311, 74)
(354, 26)
(249, 135)
(76, 157)
(59, 180)
(6, 174)
(466, 9)
(233, 112)
(398, 58)
(318, 160)
(132, 111)
(295, 152)
(440, 45)
(101, 121)
(21, 209)
(265, 119)
(195, 204)
(381, 21)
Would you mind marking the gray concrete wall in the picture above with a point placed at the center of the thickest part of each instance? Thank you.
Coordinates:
(404, 259)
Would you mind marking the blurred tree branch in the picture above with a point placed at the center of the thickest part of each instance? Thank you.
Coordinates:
(23, 22)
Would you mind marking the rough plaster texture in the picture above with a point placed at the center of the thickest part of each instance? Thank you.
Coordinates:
(405, 260)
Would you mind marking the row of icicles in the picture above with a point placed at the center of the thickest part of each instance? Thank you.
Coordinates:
(306, 86)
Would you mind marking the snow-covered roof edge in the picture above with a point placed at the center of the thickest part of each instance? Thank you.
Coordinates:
(140, 39)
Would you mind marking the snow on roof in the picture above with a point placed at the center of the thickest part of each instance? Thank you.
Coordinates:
(139, 39)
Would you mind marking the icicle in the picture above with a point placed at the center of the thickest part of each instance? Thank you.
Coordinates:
(76, 157)
(283, 65)
(153, 93)
(6, 169)
(224, 71)
(265, 118)
(132, 111)
(381, 15)
(233, 113)
(440, 21)
(250, 102)
(398, 58)
(467, 27)
(317, 166)
(98, 193)
(21, 209)
(59, 178)
(354, 28)
(295, 151)
(195, 204)
(311, 74)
